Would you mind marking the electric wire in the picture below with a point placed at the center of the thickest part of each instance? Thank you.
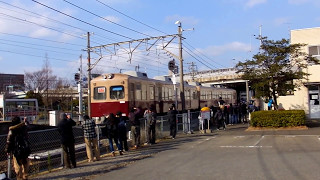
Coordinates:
(51, 19)
(39, 45)
(81, 20)
(15, 45)
(130, 17)
(106, 19)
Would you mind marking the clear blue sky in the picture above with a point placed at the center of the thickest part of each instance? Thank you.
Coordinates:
(224, 31)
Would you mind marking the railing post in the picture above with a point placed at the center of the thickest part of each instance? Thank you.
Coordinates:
(9, 166)
(98, 134)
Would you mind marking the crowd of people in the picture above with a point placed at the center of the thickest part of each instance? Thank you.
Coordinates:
(115, 130)
(226, 114)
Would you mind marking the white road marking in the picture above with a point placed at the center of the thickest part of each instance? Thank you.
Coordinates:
(246, 146)
(239, 136)
(290, 136)
(258, 141)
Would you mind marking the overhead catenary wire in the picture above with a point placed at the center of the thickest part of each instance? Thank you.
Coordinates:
(50, 19)
(185, 42)
(82, 20)
(129, 17)
(106, 19)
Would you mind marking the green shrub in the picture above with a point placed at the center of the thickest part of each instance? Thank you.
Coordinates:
(287, 118)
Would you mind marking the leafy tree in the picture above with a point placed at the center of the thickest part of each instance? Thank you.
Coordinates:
(32, 95)
(272, 71)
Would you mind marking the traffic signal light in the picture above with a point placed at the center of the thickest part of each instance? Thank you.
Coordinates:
(171, 65)
(77, 77)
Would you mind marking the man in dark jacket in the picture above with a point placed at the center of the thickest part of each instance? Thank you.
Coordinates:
(122, 130)
(67, 140)
(18, 132)
(112, 133)
(173, 121)
(151, 118)
(134, 116)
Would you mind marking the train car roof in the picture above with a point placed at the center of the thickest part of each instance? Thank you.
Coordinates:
(163, 78)
(136, 74)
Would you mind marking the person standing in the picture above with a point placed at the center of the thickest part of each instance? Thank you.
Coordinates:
(18, 145)
(135, 126)
(270, 102)
(205, 117)
(172, 118)
(67, 140)
(122, 130)
(112, 133)
(90, 138)
(219, 116)
(151, 119)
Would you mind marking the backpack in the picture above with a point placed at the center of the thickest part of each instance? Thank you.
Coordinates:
(22, 148)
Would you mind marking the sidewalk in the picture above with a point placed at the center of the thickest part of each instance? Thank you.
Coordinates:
(108, 163)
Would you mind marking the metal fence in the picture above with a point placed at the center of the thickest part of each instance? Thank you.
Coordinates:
(46, 148)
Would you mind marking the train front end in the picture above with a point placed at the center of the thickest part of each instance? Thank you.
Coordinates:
(109, 95)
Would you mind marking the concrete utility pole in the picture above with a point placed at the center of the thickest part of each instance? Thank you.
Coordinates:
(89, 75)
(181, 67)
(80, 90)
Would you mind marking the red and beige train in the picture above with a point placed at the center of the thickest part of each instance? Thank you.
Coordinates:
(122, 91)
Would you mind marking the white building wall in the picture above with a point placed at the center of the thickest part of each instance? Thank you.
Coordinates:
(300, 99)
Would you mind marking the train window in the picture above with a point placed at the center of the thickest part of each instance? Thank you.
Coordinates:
(116, 92)
(151, 90)
(99, 93)
(159, 93)
(144, 92)
(194, 95)
(170, 94)
(138, 91)
(163, 94)
(166, 93)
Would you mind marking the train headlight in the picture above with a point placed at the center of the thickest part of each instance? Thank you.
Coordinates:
(108, 76)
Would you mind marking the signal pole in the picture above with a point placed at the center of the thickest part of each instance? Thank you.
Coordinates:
(181, 67)
(80, 90)
(89, 75)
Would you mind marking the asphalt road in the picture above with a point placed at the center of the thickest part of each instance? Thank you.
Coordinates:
(224, 156)
(232, 154)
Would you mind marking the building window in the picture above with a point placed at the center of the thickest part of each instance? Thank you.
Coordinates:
(314, 51)
(99, 93)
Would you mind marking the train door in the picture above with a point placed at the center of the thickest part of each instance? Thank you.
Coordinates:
(132, 102)
(160, 99)
(152, 95)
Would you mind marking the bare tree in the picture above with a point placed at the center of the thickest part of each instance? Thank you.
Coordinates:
(41, 81)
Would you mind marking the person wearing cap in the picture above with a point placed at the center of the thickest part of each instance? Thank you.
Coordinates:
(21, 163)
(90, 138)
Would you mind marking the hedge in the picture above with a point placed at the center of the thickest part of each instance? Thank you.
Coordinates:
(285, 118)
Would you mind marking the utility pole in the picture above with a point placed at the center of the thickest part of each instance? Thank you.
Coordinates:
(89, 75)
(80, 90)
(193, 69)
(181, 67)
